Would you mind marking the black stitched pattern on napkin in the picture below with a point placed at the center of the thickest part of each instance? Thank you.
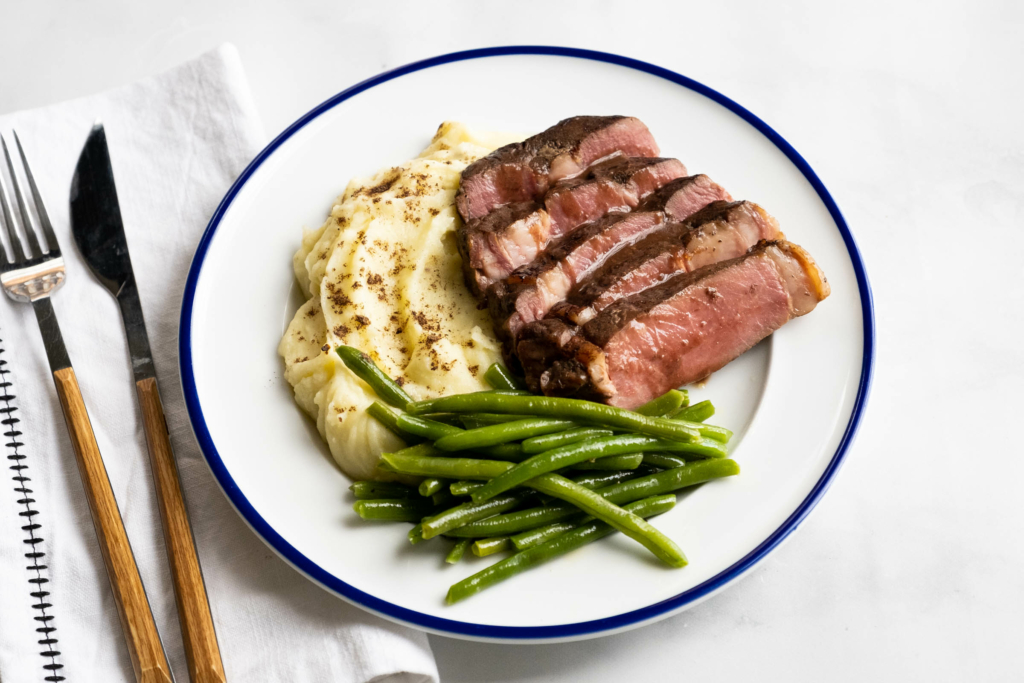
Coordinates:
(33, 540)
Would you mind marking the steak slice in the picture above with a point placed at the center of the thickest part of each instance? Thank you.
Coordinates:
(523, 171)
(511, 236)
(675, 333)
(684, 197)
(498, 243)
(718, 232)
(531, 290)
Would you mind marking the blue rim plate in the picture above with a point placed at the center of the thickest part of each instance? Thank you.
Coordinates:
(464, 629)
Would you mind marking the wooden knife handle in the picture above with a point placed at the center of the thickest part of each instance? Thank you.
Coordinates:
(201, 649)
(144, 647)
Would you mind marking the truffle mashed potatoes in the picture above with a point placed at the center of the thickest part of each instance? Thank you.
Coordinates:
(383, 274)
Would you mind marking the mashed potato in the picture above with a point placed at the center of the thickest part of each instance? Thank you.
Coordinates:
(384, 275)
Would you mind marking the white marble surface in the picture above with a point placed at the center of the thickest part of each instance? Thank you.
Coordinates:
(913, 115)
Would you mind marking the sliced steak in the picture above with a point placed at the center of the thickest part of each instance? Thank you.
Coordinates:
(524, 171)
(684, 197)
(718, 232)
(511, 236)
(531, 290)
(495, 245)
(619, 183)
(675, 333)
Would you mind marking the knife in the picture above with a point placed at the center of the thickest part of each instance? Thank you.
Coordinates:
(99, 233)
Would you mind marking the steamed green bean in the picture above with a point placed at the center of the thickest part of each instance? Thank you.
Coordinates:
(365, 369)
(565, 408)
(698, 412)
(560, 545)
(432, 485)
(458, 550)
(539, 444)
(612, 463)
(494, 435)
(490, 546)
(572, 454)
(368, 490)
(463, 514)
(663, 460)
(668, 402)
(393, 509)
(499, 377)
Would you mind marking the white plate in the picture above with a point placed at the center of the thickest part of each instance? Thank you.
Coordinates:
(794, 401)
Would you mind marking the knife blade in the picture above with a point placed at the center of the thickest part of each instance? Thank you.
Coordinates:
(99, 233)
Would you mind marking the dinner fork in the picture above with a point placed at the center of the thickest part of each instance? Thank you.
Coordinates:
(34, 273)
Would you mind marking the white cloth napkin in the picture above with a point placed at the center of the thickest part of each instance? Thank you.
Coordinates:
(177, 141)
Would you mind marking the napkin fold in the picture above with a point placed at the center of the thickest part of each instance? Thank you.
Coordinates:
(177, 141)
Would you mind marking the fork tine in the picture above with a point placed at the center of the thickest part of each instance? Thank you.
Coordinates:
(5, 204)
(26, 224)
(44, 218)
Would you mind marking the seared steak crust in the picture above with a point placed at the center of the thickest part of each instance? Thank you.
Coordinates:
(494, 245)
(530, 291)
(720, 231)
(674, 333)
(526, 170)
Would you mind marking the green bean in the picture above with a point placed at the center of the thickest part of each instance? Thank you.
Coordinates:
(668, 402)
(562, 544)
(601, 479)
(494, 435)
(663, 547)
(514, 522)
(365, 369)
(590, 481)
(389, 419)
(528, 539)
(393, 509)
(568, 408)
(662, 460)
(434, 430)
(463, 514)
(720, 434)
(426, 464)
(620, 493)
(464, 488)
(490, 546)
(499, 377)
(612, 463)
(458, 550)
(369, 490)
(491, 418)
(573, 454)
(432, 485)
(425, 428)
(539, 444)
(416, 534)
(667, 481)
(698, 412)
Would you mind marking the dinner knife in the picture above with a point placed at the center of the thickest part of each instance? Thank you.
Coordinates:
(99, 233)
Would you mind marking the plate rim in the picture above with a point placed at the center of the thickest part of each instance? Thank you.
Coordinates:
(549, 633)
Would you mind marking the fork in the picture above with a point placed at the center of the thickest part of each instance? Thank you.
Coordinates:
(31, 276)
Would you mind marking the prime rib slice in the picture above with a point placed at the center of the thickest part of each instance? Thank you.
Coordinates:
(674, 333)
(718, 232)
(511, 236)
(531, 290)
(524, 171)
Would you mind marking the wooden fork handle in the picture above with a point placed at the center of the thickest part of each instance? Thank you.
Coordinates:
(144, 647)
(201, 649)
